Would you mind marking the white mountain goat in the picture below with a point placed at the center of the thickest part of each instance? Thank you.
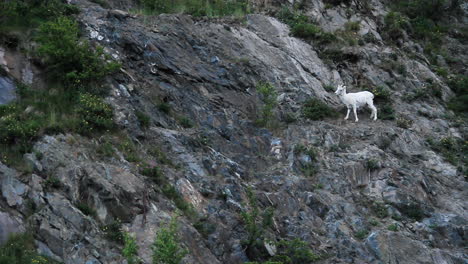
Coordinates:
(356, 100)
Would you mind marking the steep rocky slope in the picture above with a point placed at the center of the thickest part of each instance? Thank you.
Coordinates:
(366, 192)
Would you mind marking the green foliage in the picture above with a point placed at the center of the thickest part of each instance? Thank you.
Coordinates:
(28, 13)
(185, 122)
(453, 149)
(459, 103)
(204, 227)
(353, 26)
(268, 96)
(102, 3)
(170, 192)
(393, 227)
(373, 222)
(387, 112)
(86, 209)
(395, 25)
(302, 27)
(209, 8)
(17, 127)
(94, 114)
(315, 109)
(105, 149)
(160, 156)
(164, 107)
(166, 246)
(372, 164)
(361, 234)
(20, 249)
(154, 173)
(113, 231)
(380, 210)
(294, 252)
(52, 182)
(412, 210)
(381, 94)
(256, 222)
(143, 119)
(404, 122)
(129, 150)
(70, 61)
(130, 249)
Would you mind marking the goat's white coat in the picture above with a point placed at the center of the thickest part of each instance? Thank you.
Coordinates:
(356, 100)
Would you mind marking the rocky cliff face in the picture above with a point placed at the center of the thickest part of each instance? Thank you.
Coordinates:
(366, 192)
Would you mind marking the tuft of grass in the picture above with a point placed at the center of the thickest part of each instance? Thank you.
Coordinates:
(361, 234)
(198, 8)
(86, 209)
(294, 251)
(185, 122)
(380, 210)
(154, 173)
(315, 109)
(143, 119)
(113, 231)
(130, 249)
(372, 164)
(393, 227)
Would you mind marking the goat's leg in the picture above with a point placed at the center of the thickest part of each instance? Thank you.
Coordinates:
(355, 113)
(347, 114)
(374, 111)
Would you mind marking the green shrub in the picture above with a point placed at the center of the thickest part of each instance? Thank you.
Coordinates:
(372, 164)
(393, 227)
(171, 192)
(27, 13)
(294, 252)
(185, 122)
(166, 247)
(395, 25)
(159, 155)
(380, 210)
(315, 109)
(16, 126)
(102, 3)
(130, 249)
(412, 210)
(381, 94)
(387, 112)
(94, 114)
(459, 103)
(154, 173)
(129, 150)
(20, 249)
(204, 227)
(143, 119)
(268, 96)
(255, 222)
(113, 231)
(353, 26)
(164, 107)
(452, 149)
(105, 149)
(52, 182)
(302, 27)
(210, 8)
(86, 209)
(404, 122)
(361, 234)
(70, 61)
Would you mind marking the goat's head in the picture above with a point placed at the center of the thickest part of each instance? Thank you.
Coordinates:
(341, 89)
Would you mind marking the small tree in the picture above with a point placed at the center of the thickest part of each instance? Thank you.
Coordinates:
(166, 247)
(130, 250)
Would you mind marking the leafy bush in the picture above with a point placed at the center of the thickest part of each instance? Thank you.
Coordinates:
(129, 150)
(380, 210)
(86, 209)
(113, 231)
(459, 103)
(395, 25)
(387, 112)
(166, 246)
(70, 61)
(16, 127)
(130, 249)
(143, 119)
(372, 164)
(393, 227)
(268, 96)
(94, 114)
(27, 13)
(154, 173)
(255, 224)
(302, 27)
(381, 94)
(454, 150)
(361, 234)
(170, 192)
(294, 252)
(210, 8)
(317, 110)
(412, 210)
(20, 249)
